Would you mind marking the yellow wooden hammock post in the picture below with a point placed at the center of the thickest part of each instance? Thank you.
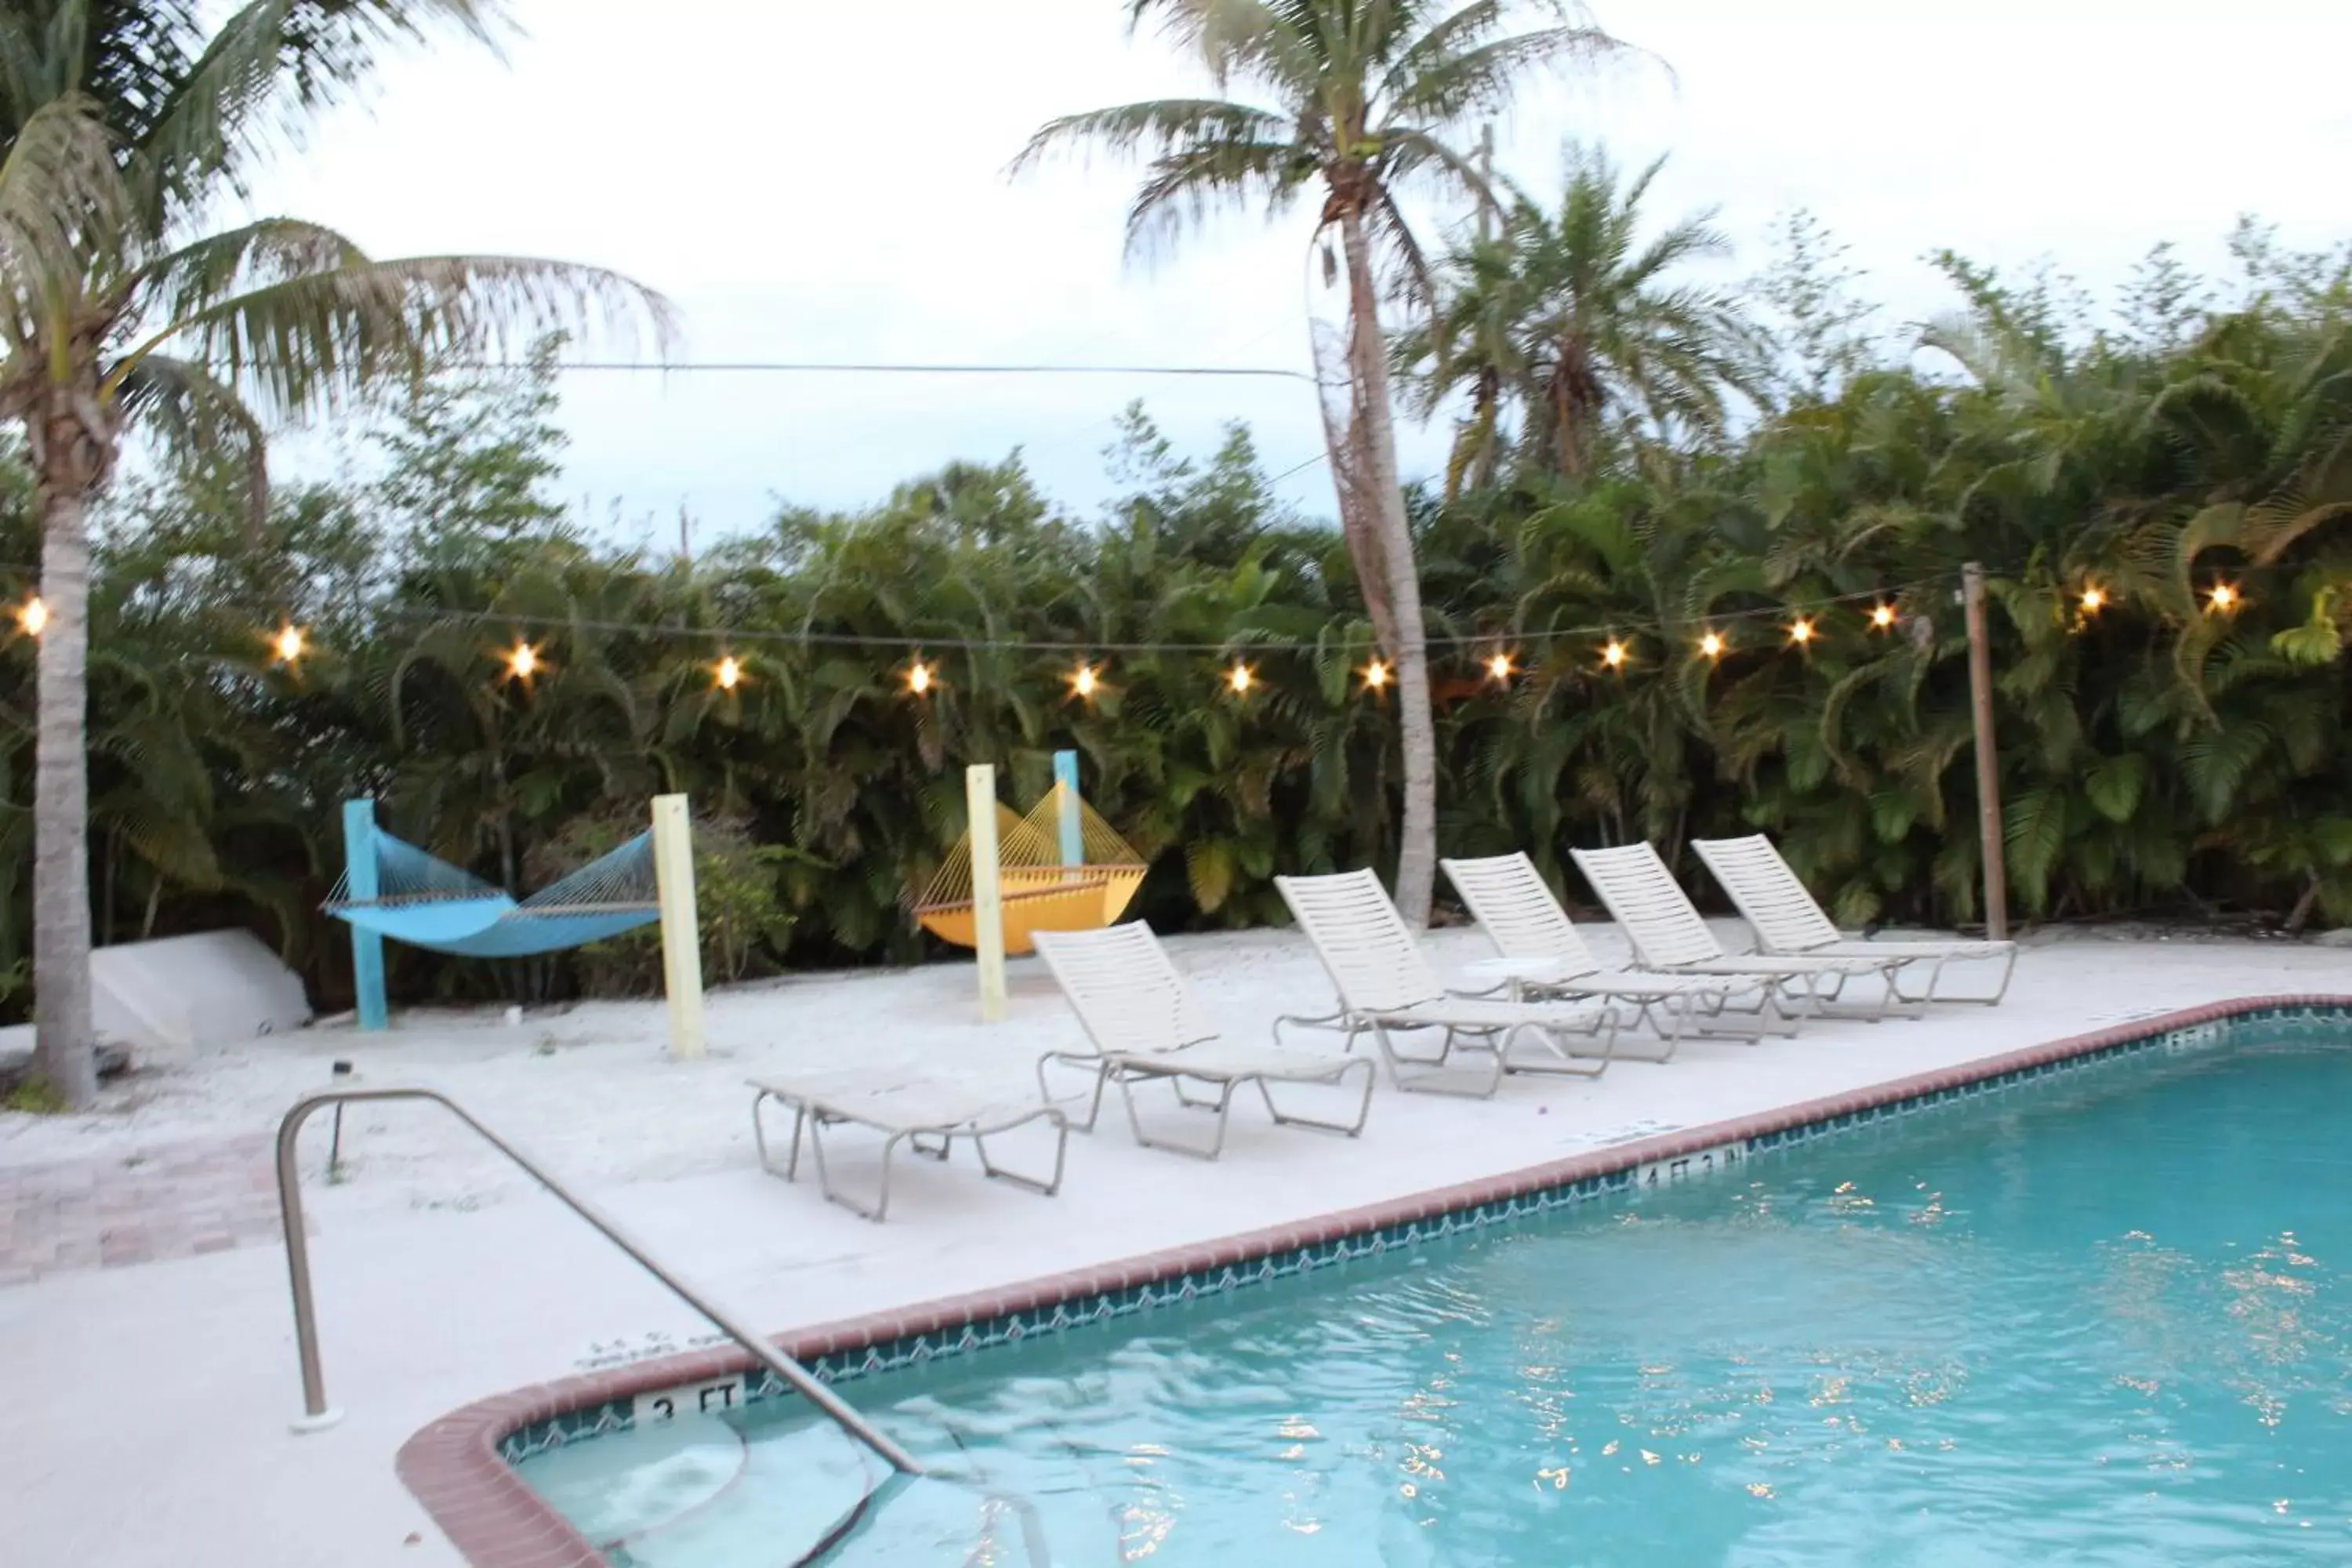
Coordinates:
(681, 929)
(981, 863)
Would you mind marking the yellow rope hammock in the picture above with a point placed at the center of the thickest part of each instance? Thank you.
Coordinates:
(1043, 889)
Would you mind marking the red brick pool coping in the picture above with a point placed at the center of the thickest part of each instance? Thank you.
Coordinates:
(454, 1468)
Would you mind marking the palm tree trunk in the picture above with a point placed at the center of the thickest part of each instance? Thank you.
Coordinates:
(1416, 873)
(65, 1053)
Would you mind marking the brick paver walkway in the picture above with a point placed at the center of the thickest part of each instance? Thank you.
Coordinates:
(172, 1200)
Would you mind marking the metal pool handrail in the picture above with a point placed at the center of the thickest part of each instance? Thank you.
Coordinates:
(317, 1415)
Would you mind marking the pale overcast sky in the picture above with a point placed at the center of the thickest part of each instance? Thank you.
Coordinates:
(828, 182)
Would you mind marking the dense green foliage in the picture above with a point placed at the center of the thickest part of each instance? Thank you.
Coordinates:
(2158, 753)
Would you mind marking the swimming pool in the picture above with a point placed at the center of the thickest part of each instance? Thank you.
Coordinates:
(2100, 1318)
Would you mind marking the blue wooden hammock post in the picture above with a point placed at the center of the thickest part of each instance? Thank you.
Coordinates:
(367, 946)
(1065, 797)
(391, 888)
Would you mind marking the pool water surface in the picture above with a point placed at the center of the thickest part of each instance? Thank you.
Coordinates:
(2096, 1319)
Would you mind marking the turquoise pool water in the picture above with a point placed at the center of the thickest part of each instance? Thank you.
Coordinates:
(2098, 1319)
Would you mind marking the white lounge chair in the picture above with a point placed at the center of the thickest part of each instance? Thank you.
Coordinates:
(1508, 898)
(1667, 934)
(1385, 984)
(1143, 1023)
(903, 1113)
(1788, 920)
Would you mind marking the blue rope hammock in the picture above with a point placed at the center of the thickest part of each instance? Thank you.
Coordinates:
(426, 902)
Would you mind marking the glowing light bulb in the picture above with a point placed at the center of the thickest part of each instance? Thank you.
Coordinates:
(523, 660)
(2222, 598)
(1801, 631)
(729, 673)
(1614, 655)
(1240, 680)
(2095, 599)
(1376, 675)
(1083, 681)
(1499, 667)
(919, 678)
(33, 617)
(1883, 616)
(1712, 645)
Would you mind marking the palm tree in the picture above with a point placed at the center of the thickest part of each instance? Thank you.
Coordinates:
(125, 124)
(1360, 96)
(1575, 314)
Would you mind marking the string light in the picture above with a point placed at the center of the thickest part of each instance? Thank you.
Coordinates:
(729, 673)
(33, 617)
(1614, 655)
(1712, 645)
(1240, 680)
(2222, 599)
(2095, 599)
(919, 678)
(1801, 631)
(1499, 668)
(1376, 675)
(522, 661)
(1881, 617)
(1083, 681)
(289, 643)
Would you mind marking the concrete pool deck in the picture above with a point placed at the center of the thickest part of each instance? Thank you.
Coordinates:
(150, 1379)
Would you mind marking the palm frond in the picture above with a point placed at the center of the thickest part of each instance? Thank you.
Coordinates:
(1447, 89)
(61, 201)
(296, 56)
(191, 279)
(1184, 187)
(306, 344)
(192, 414)
(1154, 128)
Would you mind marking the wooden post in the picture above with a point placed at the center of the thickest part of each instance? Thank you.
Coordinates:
(681, 928)
(1989, 823)
(986, 886)
(987, 890)
(360, 881)
(1065, 809)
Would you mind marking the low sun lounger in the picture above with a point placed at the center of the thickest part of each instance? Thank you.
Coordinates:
(1667, 935)
(1788, 920)
(1143, 1023)
(1385, 984)
(910, 1114)
(1507, 897)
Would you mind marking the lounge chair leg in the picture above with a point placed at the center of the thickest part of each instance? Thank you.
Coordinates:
(1222, 1105)
(1557, 1043)
(1060, 1156)
(1423, 1083)
(1823, 1001)
(1935, 979)
(1672, 1035)
(1338, 1021)
(1192, 1104)
(760, 1135)
(1095, 1064)
(1338, 1080)
(825, 1177)
(1445, 1051)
